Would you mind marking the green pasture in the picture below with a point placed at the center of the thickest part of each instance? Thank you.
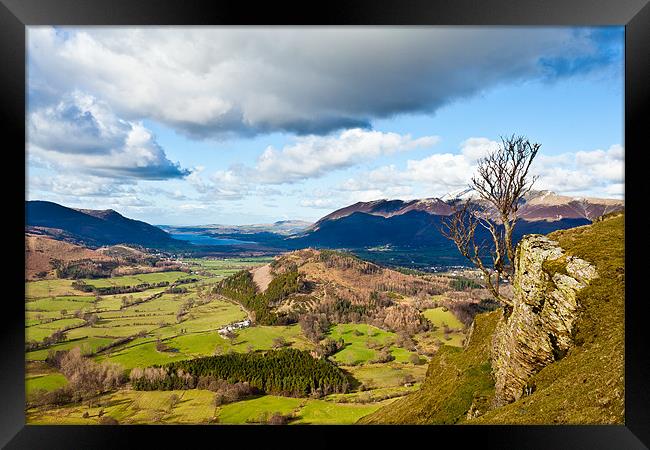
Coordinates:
(141, 353)
(48, 382)
(441, 317)
(251, 410)
(38, 332)
(132, 280)
(196, 406)
(49, 288)
(387, 374)
(67, 303)
(261, 337)
(359, 338)
(330, 413)
(91, 343)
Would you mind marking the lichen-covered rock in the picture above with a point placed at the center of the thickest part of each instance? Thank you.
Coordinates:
(538, 329)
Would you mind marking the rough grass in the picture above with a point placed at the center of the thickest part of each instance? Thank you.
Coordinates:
(131, 407)
(196, 406)
(49, 288)
(372, 396)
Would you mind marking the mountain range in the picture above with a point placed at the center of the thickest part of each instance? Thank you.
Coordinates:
(416, 222)
(411, 226)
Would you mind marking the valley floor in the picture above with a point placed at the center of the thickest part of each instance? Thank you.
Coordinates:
(154, 326)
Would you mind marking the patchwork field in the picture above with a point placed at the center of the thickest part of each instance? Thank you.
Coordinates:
(155, 327)
(196, 406)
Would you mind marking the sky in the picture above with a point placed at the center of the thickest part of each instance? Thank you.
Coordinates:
(228, 125)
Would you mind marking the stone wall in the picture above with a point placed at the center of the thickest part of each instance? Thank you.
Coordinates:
(539, 329)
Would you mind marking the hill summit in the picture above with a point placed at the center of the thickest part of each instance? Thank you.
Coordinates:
(91, 227)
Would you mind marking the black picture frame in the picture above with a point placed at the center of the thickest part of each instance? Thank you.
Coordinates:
(15, 15)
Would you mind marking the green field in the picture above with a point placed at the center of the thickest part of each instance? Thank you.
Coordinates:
(324, 413)
(222, 268)
(196, 406)
(387, 374)
(441, 317)
(251, 410)
(363, 343)
(133, 280)
(51, 305)
(261, 337)
(47, 382)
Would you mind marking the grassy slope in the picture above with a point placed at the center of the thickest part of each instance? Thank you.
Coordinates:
(454, 379)
(586, 386)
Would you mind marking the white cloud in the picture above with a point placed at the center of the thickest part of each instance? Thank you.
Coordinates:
(314, 156)
(594, 173)
(434, 175)
(81, 133)
(309, 157)
(216, 81)
(75, 185)
(474, 149)
(319, 203)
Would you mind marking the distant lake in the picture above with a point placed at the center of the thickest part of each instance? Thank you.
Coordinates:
(202, 239)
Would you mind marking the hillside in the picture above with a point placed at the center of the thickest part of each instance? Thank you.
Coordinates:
(47, 258)
(41, 250)
(342, 275)
(578, 379)
(92, 227)
(337, 287)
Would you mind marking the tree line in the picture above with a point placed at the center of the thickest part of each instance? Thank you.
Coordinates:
(288, 372)
(112, 290)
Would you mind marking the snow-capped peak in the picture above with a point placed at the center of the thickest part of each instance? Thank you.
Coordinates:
(463, 193)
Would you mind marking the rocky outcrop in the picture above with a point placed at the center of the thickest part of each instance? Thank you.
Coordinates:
(539, 328)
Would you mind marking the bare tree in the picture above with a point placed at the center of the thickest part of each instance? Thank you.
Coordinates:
(501, 181)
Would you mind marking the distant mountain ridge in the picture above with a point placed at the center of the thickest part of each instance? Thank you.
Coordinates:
(390, 208)
(92, 227)
(415, 223)
(536, 205)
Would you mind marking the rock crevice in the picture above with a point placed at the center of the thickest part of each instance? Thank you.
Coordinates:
(538, 331)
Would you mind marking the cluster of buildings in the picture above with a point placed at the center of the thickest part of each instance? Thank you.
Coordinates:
(235, 326)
